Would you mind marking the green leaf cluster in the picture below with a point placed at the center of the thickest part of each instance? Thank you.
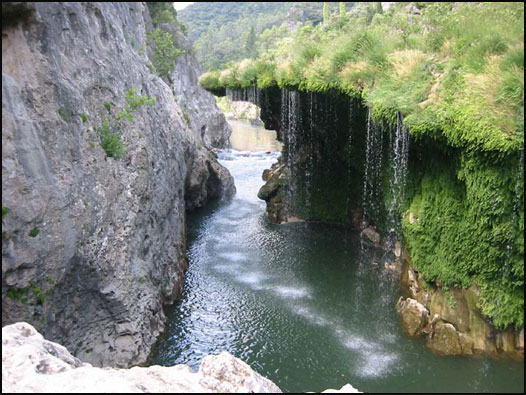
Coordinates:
(111, 139)
(165, 52)
(468, 229)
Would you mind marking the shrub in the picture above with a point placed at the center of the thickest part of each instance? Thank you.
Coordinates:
(63, 114)
(34, 232)
(165, 52)
(111, 141)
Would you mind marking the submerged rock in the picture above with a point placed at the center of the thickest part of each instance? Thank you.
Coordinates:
(346, 389)
(445, 339)
(371, 235)
(458, 326)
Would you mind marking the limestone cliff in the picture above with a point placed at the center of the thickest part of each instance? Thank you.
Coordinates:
(92, 246)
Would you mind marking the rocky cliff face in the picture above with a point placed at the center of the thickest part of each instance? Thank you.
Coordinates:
(93, 246)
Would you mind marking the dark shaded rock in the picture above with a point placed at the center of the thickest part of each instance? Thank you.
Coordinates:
(371, 235)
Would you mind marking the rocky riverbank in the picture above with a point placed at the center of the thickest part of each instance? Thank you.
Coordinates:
(451, 321)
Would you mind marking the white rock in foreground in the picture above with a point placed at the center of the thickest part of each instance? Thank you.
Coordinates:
(347, 389)
(32, 364)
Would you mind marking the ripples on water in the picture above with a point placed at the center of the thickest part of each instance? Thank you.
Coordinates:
(303, 304)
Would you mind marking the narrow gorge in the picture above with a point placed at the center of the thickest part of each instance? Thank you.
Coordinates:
(357, 223)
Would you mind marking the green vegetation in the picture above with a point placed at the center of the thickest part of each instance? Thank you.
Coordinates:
(111, 141)
(63, 114)
(133, 103)
(84, 118)
(14, 13)
(220, 31)
(466, 232)
(110, 133)
(162, 42)
(5, 210)
(19, 294)
(452, 72)
(165, 51)
(107, 106)
(24, 295)
(34, 232)
(164, 12)
(326, 13)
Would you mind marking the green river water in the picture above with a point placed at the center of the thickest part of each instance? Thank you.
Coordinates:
(303, 304)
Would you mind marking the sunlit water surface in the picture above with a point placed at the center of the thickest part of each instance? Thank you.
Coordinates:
(303, 304)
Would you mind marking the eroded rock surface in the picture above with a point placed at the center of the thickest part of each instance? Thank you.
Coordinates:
(414, 315)
(453, 324)
(32, 364)
(93, 246)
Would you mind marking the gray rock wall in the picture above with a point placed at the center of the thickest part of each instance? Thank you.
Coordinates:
(92, 246)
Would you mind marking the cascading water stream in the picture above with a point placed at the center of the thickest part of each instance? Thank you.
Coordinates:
(373, 170)
(349, 147)
(398, 182)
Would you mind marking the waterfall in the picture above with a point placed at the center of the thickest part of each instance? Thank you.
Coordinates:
(349, 146)
(309, 165)
(373, 170)
(398, 181)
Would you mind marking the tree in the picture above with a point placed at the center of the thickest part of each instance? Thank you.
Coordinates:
(326, 13)
(343, 11)
(250, 46)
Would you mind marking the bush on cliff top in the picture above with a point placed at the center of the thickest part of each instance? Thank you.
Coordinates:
(455, 70)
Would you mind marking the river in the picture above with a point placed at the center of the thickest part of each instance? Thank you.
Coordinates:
(304, 304)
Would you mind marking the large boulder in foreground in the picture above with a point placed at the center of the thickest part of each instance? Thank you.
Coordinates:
(32, 364)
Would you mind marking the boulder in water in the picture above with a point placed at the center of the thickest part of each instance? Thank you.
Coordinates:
(414, 315)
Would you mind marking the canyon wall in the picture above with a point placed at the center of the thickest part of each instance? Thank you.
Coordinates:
(100, 160)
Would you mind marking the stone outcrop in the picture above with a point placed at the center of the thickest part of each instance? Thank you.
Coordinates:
(32, 364)
(93, 246)
(370, 235)
(414, 315)
(452, 321)
(273, 192)
(239, 110)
